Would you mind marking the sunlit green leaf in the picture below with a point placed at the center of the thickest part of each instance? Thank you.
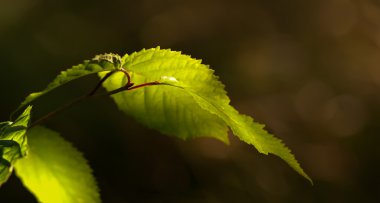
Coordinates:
(54, 171)
(13, 143)
(195, 104)
(166, 108)
(249, 131)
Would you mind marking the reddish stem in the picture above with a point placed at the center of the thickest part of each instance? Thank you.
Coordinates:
(144, 85)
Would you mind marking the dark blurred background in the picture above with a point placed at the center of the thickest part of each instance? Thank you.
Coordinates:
(310, 70)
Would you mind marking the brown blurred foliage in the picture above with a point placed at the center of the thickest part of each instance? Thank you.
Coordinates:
(310, 70)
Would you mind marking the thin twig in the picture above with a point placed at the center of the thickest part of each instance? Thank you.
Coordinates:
(101, 82)
(91, 95)
(60, 109)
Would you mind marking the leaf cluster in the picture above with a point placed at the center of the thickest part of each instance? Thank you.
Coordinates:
(163, 89)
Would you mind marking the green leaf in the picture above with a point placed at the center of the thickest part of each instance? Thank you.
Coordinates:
(54, 171)
(195, 104)
(104, 62)
(13, 143)
(251, 132)
(167, 108)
